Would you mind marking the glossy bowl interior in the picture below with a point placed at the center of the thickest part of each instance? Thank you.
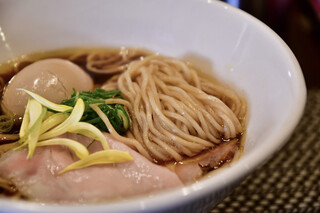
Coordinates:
(214, 36)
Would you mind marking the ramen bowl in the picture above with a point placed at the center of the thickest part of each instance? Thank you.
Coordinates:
(217, 38)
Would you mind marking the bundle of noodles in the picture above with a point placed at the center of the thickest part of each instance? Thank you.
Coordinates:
(175, 112)
(109, 62)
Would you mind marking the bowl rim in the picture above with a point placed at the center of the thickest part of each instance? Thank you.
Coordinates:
(188, 193)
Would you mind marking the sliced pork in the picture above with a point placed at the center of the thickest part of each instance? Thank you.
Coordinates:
(194, 168)
(38, 178)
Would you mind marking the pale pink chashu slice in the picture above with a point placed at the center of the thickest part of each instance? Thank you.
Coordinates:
(38, 177)
(192, 169)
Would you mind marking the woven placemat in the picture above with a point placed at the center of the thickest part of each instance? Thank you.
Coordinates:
(290, 181)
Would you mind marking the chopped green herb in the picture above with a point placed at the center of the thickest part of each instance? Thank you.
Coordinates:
(39, 127)
(115, 112)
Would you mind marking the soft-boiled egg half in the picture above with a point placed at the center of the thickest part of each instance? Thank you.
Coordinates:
(53, 79)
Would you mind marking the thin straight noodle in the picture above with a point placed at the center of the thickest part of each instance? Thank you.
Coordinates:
(213, 114)
(193, 122)
(181, 119)
(185, 138)
(148, 118)
(172, 113)
(211, 120)
(187, 120)
(224, 93)
(186, 148)
(119, 101)
(205, 128)
(231, 130)
(112, 62)
(145, 130)
(135, 123)
(172, 126)
(229, 116)
(192, 75)
(219, 105)
(216, 102)
(169, 149)
(211, 117)
(137, 107)
(182, 105)
(195, 104)
(181, 95)
(135, 131)
(185, 128)
(125, 83)
(200, 94)
(153, 89)
(129, 141)
(178, 148)
(154, 130)
(156, 152)
(194, 90)
(77, 56)
(115, 60)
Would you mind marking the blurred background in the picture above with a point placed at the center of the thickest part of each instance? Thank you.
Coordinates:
(298, 24)
(290, 180)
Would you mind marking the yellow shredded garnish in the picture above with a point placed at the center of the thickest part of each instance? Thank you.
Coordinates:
(47, 103)
(53, 121)
(25, 121)
(74, 117)
(100, 157)
(80, 150)
(37, 113)
(40, 126)
(90, 131)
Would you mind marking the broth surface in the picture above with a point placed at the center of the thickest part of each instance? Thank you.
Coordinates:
(113, 62)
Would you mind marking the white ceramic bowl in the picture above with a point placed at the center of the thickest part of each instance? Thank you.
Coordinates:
(213, 35)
